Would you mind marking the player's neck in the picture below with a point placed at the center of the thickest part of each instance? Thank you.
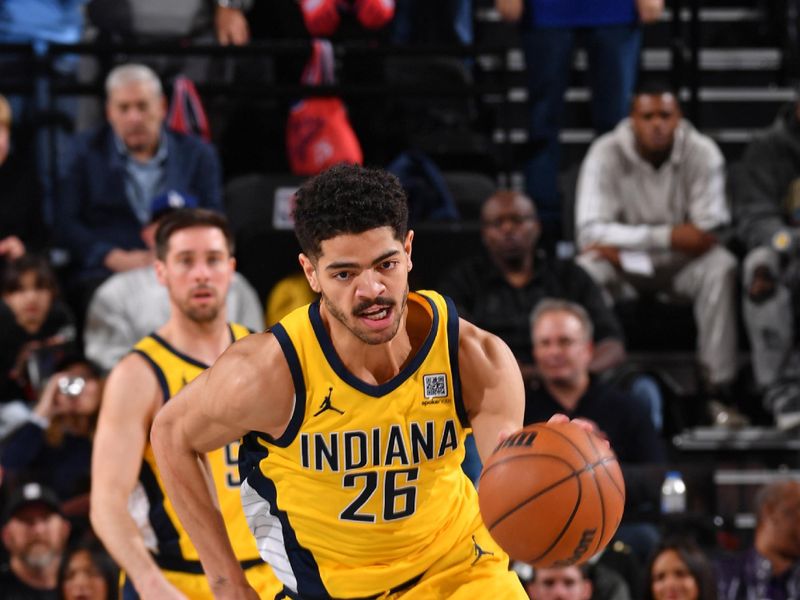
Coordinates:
(373, 364)
(201, 341)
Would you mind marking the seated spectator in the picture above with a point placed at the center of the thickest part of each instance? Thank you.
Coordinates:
(115, 320)
(680, 569)
(116, 171)
(650, 196)
(21, 224)
(582, 582)
(88, 573)
(54, 446)
(766, 209)
(498, 289)
(36, 329)
(561, 333)
(34, 534)
(771, 567)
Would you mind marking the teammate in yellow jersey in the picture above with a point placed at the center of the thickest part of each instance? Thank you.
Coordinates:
(129, 508)
(355, 410)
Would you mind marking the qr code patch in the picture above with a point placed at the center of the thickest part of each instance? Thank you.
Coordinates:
(435, 385)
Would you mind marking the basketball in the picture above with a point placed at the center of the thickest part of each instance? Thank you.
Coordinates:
(552, 495)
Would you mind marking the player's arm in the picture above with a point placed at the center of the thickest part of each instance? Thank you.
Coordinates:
(491, 386)
(248, 389)
(130, 400)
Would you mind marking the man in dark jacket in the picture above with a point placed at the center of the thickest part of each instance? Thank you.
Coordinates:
(766, 206)
(117, 170)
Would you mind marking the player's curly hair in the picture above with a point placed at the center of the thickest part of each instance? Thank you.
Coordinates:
(348, 199)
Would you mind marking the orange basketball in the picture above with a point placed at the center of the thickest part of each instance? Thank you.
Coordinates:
(552, 494)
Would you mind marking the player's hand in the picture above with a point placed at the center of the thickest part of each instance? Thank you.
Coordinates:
(584, 424)
(231, 26)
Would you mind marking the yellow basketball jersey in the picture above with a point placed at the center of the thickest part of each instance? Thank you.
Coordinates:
(173, 548)
(364, 490)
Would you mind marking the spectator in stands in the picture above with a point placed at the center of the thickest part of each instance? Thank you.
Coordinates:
(21, 225)
(54, 446)
(680, 569)
(650, 197)
(36, 329)
(771, 568)
(766, 207)
(34, 534)
(583, 582)
(115, 320)
(41, 23)
(117, 170)
(88, 573)
(611, 36)
(561, 333)
(498, 289)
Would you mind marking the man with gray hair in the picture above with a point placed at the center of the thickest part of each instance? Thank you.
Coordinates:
(561, 332)
(117, 170)
(771, 568)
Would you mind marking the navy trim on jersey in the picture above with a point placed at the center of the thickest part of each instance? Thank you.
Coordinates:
(376, 391)
(304, 566)
(452, 342)
(181, 355)
(290, 353)
(166, 534)
(162, 380)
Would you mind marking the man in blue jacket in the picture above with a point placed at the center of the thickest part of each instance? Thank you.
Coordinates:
(117, 170)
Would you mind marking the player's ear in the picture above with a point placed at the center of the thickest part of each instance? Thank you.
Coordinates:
(310, 272)
(407, 246)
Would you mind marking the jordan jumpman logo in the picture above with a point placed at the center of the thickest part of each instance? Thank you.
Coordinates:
(326, 405)
(479, 551)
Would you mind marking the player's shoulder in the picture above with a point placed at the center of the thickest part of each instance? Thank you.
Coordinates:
(480, 346)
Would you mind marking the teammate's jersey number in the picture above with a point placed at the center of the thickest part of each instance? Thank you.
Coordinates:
(399, 499)
(232, 465)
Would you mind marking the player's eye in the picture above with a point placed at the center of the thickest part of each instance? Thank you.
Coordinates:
(388, 264)
(342, 275)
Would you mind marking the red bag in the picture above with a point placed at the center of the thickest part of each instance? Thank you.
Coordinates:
(319, 135)
(186, 113)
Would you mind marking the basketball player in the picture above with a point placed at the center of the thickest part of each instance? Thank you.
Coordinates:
(355, 410)
(194, 262)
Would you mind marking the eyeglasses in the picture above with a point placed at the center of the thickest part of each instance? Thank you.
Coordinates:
(513, 220)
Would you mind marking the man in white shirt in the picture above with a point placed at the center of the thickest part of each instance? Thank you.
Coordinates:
(651, 194)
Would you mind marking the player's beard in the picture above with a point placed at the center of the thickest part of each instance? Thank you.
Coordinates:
(202, 314)
(366, 336)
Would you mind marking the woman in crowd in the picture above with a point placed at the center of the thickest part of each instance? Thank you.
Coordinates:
(679, 570)
(87, 573)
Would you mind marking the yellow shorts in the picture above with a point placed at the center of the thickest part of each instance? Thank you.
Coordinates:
(476, 568)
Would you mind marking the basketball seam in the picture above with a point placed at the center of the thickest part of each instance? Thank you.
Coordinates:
(602, 500)
(574, 473)
(540, 492)
(566, 525)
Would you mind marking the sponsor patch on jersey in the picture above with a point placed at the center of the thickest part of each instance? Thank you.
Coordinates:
(435, 385)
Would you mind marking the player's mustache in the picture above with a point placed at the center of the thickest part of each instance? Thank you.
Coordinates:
(380, 301)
